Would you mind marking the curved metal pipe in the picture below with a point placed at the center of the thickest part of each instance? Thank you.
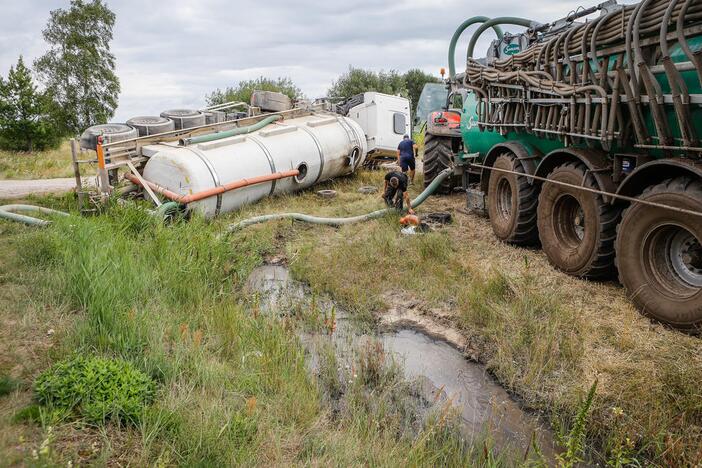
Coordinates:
(456, 35)
(498, 21)
(678, 87)
(633, 77)
(694, 57)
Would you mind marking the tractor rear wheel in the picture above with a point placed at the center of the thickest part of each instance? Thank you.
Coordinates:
(659, 254)
(511, 203)
(438, 155)
(577, 228)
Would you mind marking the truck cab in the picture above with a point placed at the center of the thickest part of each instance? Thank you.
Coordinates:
(384, 118)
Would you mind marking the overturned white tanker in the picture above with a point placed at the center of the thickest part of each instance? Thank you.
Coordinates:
(213, 165)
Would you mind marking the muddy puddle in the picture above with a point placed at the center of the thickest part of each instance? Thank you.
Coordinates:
(443, 374)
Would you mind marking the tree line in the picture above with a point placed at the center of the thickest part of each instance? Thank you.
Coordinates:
(354, 81)
(74, 85)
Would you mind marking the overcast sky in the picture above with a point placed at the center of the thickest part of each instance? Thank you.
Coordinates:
(171, 53)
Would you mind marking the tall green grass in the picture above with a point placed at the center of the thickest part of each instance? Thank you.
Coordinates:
(233, 386)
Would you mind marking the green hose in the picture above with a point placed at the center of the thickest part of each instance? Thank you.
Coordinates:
(494, 22)
(421, 198)
(230, 133)
(457, 35)
(9, 212)
(166, 210)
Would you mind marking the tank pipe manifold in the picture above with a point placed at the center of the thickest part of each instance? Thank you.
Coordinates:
(527, 23)
(456, 35)
(186, 199)
(342, 221)
(230, 133)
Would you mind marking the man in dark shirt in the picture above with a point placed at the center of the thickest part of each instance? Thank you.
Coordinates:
(405, 156)
(395, 191)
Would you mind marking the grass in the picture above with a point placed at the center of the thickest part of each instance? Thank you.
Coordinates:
(38, 165)
(168, 300)
(232, 384)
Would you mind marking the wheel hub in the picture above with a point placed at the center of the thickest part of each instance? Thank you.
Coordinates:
(504, 198)
(570, 221)
(685, 256)
(673, 256)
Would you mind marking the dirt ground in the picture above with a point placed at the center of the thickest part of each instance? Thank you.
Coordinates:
(15, 189)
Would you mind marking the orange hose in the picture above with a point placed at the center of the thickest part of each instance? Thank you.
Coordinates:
(185, 199)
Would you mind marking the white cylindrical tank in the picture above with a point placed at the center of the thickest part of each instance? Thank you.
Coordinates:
(320, 146)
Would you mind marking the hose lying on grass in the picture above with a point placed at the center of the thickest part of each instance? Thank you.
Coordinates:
(341, 221)
(10, 212)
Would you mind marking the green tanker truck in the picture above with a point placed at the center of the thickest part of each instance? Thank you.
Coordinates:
(583, 135)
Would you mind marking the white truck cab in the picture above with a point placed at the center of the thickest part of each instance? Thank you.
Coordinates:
(385, 119)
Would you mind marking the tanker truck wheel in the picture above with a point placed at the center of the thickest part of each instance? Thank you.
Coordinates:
(511, 203)
(577, 228)
(659, 254)
(438, 155)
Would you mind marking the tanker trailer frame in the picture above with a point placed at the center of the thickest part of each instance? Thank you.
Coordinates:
(111, 157)
(584, 136)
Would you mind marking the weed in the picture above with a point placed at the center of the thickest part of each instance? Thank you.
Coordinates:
(96, 389)
(574, 441)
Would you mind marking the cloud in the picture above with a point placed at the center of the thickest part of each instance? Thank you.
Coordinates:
(171, 53)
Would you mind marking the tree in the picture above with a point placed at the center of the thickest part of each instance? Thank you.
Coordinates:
(244, 89)
(24, 123)
(78, 69)
(415, 80)
(358, 80)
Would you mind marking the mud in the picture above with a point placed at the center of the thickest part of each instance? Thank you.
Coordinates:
(430, 353)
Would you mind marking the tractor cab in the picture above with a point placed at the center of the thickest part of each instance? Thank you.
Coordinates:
(433, 98)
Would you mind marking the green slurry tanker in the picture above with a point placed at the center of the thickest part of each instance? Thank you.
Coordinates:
(583, 135)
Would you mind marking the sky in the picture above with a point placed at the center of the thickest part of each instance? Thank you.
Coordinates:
(172, 53)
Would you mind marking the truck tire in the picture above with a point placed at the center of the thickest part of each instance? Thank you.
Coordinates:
(438, 155)
(150, 125)
(110, 133)
(659, 254)
(511, 203)
(185, 118)
(577, 228)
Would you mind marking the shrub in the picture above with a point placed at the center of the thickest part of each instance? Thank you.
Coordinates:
(96, 389)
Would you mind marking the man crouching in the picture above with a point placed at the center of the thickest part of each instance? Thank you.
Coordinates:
(395, 191)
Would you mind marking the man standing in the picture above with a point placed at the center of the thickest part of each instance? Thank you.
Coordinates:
(395, 191)
(405, 156)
